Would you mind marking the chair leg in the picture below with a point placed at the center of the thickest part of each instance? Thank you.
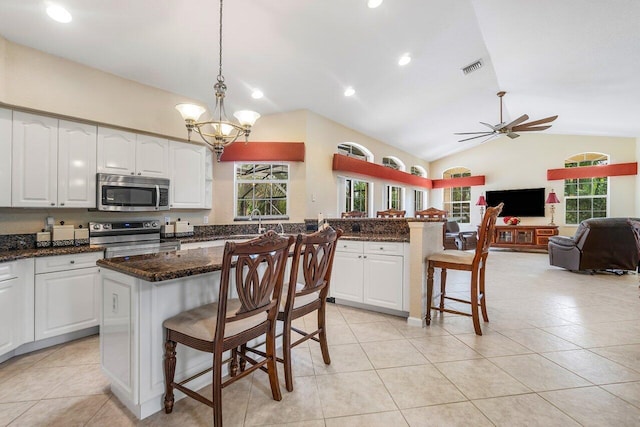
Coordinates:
(322, 336)
(429, 292)
(169, 373)
(286, 353)
(217, 390)
(483, 301)
(233, 364)
(474, 302)
(443, 287)
(243, 362)
(271, 363)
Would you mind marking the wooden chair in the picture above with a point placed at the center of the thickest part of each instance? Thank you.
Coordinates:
(390, 213)
(257, 267)
(313, 258)
(431, 213)
(353, 214)
(466, 261)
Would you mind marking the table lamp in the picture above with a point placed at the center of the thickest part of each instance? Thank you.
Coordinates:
(552, 199)
(482, 203)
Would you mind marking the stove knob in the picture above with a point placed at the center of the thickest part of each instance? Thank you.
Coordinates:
(147, 225)
(106, 226)
(96, 226)
(154, 224)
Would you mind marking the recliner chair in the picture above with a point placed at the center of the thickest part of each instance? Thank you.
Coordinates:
(598, 244)
(461, 240)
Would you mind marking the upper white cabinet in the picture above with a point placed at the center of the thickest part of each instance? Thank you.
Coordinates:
(53, 163)
(187, 165)
(5, 157)
(34, 171)
(76, 165)
(126, 153)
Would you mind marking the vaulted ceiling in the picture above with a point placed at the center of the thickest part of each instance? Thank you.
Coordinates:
(574, 58)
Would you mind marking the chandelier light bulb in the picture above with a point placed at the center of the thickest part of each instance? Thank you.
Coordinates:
(190, 111)
(246, 117)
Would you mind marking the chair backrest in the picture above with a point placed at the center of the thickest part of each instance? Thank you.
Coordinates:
(635, 227)
(452, 227)
(313, 253)
(258, 268)
(353, 214)
(431, 213)
(485, 235)
(391, 213)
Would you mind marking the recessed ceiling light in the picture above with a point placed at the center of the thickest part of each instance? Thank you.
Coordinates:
(374, 3)
(404, 59)
(257, 94)
(58, 13)
(349, 91)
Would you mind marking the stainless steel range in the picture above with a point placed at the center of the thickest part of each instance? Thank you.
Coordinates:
(127, 238)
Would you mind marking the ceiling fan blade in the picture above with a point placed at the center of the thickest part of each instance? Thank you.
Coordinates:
(526, 128)
(494, 136)
(496, 127)
(479, 136)
(516, 122)
(472, 133)
(542, 121)
(512, 135)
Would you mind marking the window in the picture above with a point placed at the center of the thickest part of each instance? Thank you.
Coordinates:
(585, 198)
(418, 171)
(357, 195)
(457, 200)
(393, 163)
(394, 197)
(358, 151)
(262, 187)
(419, 196)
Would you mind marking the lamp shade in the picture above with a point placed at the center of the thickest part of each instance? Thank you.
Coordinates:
(481, 201)
(246, 117)
(552, 198)
(190, 111)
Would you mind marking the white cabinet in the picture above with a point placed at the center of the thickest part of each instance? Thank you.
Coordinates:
(5, 157)
(371, 273)
(67, 294)
(187, 165)
(16, 304)
(127, 153)
(34, 171)
(76, 165)
(53, 162)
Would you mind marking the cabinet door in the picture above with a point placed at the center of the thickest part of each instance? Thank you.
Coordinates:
(346, 277)
(66, 301)
(383, 280)
(116, 151)
(10, 315)
(34, 171)
(187, 175)
(5, 157)
(76, 165)
(152, 156)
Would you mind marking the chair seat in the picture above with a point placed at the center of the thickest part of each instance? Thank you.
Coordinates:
(200, 322)
(299, 300)
(453, 256)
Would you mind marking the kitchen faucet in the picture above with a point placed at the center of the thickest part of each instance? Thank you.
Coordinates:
(261, 229)
(281, 228)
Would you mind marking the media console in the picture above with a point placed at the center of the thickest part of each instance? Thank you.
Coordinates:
(523, 237)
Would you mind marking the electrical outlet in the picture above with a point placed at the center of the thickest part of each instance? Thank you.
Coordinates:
(50, 221)
(167, 219)
(205, 219)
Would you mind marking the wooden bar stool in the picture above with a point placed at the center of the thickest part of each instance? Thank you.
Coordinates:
(390, 213)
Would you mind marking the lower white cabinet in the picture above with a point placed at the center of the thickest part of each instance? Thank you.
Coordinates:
(371, 273)
(67, 294)
(16, 304)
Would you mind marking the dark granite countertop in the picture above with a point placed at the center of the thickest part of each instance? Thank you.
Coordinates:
(13, 255)
(377, 237)
(167, 265)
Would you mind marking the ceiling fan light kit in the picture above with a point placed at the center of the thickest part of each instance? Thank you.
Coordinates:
(511, 129)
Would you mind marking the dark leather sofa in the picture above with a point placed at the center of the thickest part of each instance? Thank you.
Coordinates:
(598, 244)
(456, 239)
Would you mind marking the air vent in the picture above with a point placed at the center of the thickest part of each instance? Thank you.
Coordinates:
(472, 67)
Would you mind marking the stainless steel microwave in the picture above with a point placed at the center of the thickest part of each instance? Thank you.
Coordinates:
(132, 193)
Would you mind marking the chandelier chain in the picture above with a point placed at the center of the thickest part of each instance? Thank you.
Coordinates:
(220, 77)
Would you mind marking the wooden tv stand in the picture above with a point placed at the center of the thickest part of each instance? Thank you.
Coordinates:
(523, 237)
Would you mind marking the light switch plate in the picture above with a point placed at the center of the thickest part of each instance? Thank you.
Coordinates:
(50, 221)
(205, 219)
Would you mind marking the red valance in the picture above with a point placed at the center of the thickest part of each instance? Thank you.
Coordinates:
(618, 169)
(467, 181)
(349, 164)
(264, 151)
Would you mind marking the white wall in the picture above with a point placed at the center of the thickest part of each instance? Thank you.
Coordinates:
(523, 163)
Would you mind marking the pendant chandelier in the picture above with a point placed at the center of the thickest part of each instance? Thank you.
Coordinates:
(219, 131)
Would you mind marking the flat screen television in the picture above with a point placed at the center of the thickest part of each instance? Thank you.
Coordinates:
(526, 202)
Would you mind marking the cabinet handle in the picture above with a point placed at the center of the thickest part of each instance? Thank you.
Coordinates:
(61, 204)
(364, 256)
(53, 204)
(133, 173)
(114, 303)
(139, 173)
(359, 256)
(382, 248)
(72, 261)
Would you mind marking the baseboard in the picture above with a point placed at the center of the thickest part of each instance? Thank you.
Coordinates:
(415, 321)
(49, 342)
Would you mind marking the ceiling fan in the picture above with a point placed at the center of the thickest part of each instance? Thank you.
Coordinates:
(509, 129)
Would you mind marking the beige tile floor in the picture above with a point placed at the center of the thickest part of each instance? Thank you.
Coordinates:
(561, 349)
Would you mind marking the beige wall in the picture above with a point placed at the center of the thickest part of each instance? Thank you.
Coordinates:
(523, 163)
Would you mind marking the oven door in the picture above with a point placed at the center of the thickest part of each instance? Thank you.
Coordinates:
(132, 194)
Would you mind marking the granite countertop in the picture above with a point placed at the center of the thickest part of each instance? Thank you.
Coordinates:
(167, 265)
(377, 237)
(13, 255)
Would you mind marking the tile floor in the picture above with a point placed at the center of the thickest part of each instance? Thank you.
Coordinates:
(561, 349)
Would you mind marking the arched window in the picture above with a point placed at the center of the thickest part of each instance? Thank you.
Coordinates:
(457, 200)
(418, 171)
(419, 196)
(393, 163)
(585, 198)
(358, 151)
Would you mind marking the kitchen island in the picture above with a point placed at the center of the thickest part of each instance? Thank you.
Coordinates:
(138, 294)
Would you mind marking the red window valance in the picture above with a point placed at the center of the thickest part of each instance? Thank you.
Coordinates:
(349, 164)
(467, 181)
(618, 169)
(264, 151)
